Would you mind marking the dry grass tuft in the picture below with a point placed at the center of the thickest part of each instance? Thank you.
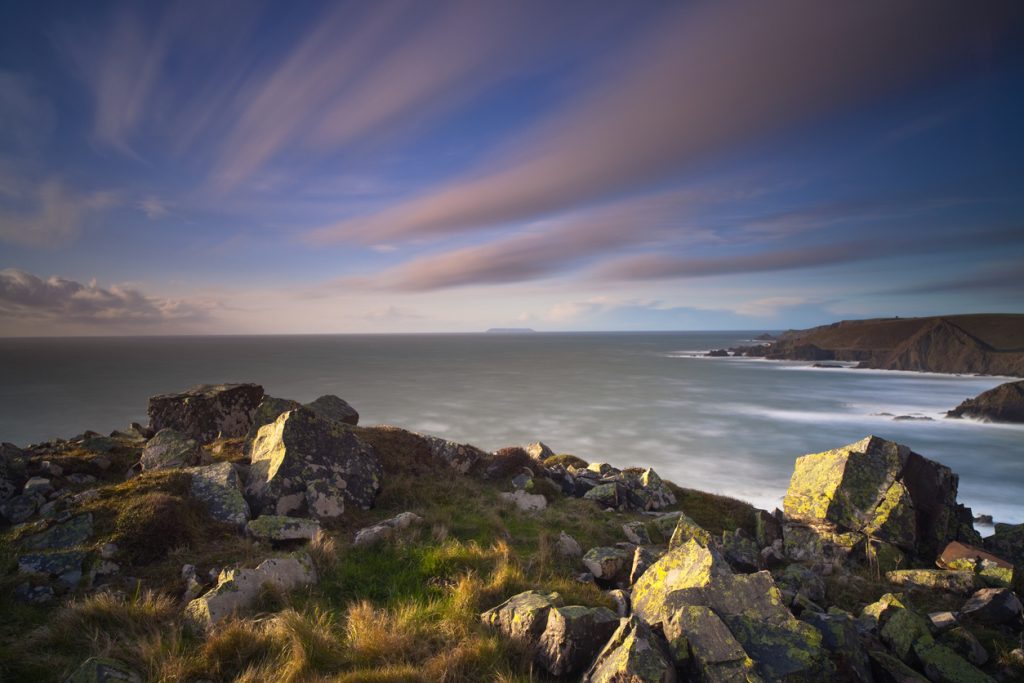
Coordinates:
(324, 551)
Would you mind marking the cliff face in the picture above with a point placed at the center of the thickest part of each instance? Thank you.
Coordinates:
(973, 344)
(1004, 403)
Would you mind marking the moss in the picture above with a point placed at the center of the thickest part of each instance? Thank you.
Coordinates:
(149, 526)
(565, 460)
(713, 512)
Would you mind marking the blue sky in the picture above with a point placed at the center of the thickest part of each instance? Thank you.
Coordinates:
(405, 166)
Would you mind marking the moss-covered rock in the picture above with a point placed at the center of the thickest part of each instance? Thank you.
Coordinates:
(686, 530)
(941, 665)
(885, 667)
(936, 579)
(522, 617)
(73, 532)
(219, 488)
(894, 520)
(169, 449)
(206, 412)
(573, 636)
(634, 654)
(608, 564)
(685, 567)
(903, 628)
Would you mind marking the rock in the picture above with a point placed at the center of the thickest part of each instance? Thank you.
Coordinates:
(634, 654)
(642, 559)
(798, 579)
(767, 528)
(527, 502)
(654, 492)
(277, 528)
(37, 486)
(33, 595)
(612, 495)
(538, 450)
(522, 617)
(378, 532)
(963, 642)
(878, 613)
(103, 670)
(717, 353)
(888, 669)
(269, 409)
(220, 488)
(302, 462)
(505, 463)
(839, 635)
(621, 599)
(636, 532)
(331, 407)
(238, 588)
(750, 606)
(568, 546)
(601, 468)
(69, 534)
(79, 479)
(608, 564)
(65, 566)
(699, 638)
(820, 544)
(942, 665)
(51, 468)
(881, 489)
(902, 630)
(685, 530)
(991, 569)
(522, 481)
(993, 606)
(169, 449)
(206, 412)
(19, 508)
(741, 551)
(1004, 403)
(940, 579)
(460, 457)
(942, 621)
(573, 636)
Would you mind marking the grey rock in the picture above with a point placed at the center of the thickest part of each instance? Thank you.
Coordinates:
(382, 530)
(608, 564)
(965, 644)
(65, 566)
(206, 412)
(170, 449)
(568, 546)
(37, 485)
(538, 450)
(633, 654)
(459, 456)
(523, 617)
(277, 528)
(993, 606)
(69, 534)
(331, 407)
(527, 502)
(103, 670)
(19, 508)
(33, 595)
(636, 532)
(219, 487)
(573, 636)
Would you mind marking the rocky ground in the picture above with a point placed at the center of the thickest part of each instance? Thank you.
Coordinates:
(241, 537)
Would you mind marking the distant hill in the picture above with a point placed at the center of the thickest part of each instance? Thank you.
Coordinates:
(511, 330)
(989, 344)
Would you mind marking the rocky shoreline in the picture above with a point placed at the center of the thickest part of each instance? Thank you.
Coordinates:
(578, 571)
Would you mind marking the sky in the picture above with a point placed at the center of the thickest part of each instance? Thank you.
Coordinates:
(355, 167)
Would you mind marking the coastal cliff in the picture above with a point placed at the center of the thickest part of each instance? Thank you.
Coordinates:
(988, 344)
(244, 537)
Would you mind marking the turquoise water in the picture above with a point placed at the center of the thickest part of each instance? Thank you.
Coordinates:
(732, 426)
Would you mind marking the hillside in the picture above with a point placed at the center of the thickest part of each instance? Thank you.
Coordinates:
(989, 344)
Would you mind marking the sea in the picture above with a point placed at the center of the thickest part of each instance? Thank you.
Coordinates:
(733, 426)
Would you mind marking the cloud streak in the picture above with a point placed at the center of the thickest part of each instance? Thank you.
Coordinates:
(47, 215)
(26, 297)
(715, 75)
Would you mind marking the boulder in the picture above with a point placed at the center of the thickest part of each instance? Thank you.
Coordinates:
(461, 457)
(206, 412)
(64, 566)
(608, 564)
(700, 640)
(103, 670)
(941, 665)
(269, 409)
(303, 463)
(993, 606)
(902, 630)
(573, 636)
(965, 644)
(170, 449)
(19, 508)
(40, 486)
(938, 579)
(382, 530)
(333, 408)
(878, 612)
(1005, 403)
(642, 559)
(686, 530)
(523, 617)
(527, 502)
(277, 528)
(741, 551)
(636, 532)
(887, 669)
(568, 546)
(73, 532)
(942, 621)
(652, 491)
(991, 569)
(219, 487)
(236, 589)
(880, 489)
(634, 654)
(840, 637)
(610, 495)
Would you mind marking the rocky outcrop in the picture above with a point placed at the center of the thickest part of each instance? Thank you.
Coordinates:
(304, 465)
(331, 407)
(236, 589)
(1004, 403)
(874, 489)
(573, 636)
(206, 412)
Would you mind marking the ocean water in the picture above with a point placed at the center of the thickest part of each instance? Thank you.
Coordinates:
(731, 426)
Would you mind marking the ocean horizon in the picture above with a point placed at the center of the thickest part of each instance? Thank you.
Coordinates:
(733, 426)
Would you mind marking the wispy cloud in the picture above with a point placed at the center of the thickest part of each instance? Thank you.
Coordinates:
(998, 278)
(716, 75)
(154, 207)
(47, 215)
(26, 115)
(26, 297)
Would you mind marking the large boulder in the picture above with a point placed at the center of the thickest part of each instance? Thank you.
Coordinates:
(206, 412)
(523, 617)
(882, 490)
(1005, 403)
(749, 606)
(573, 636)
(634, 654)
(993, 606)
(238, 588)
(170, 449)
(219, 487)
(269, 409)
(461, 457)
(304, 465)
(331, 407)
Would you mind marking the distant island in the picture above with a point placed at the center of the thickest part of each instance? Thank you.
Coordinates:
(511, 330)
